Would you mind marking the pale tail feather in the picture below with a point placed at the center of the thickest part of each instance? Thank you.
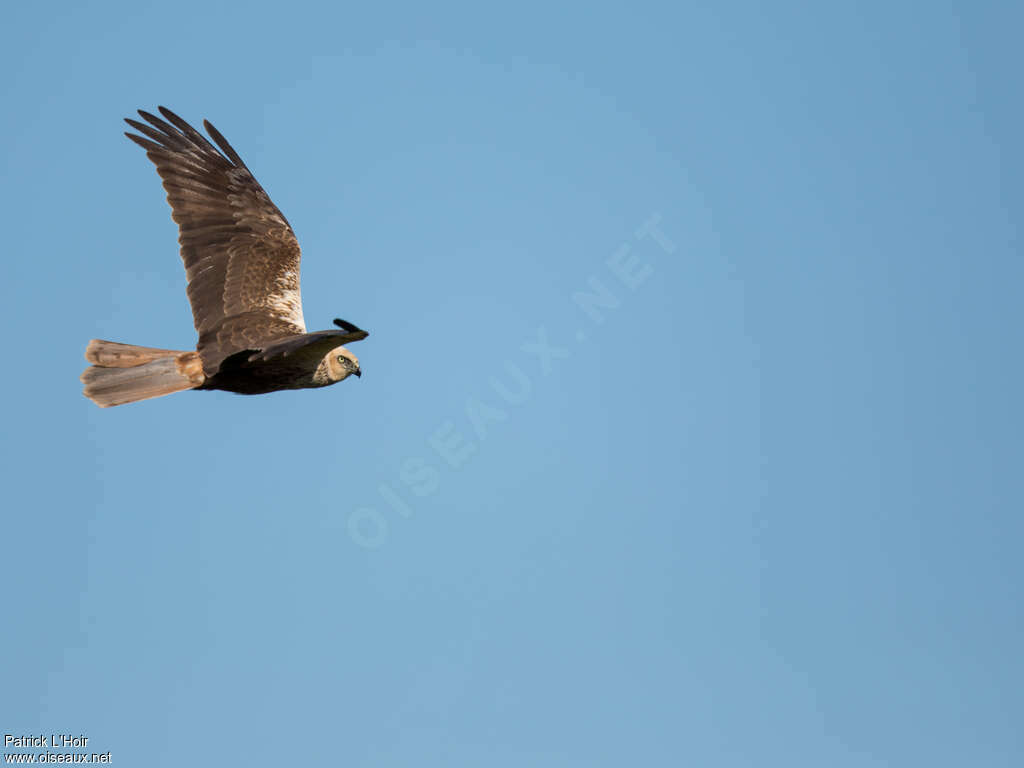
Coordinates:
(123, 373)
(113, 354)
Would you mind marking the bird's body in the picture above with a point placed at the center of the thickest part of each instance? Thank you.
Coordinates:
(242, 263)
(245, 377)
(261, 378)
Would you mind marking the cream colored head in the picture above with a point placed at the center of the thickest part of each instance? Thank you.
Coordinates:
(341, 364)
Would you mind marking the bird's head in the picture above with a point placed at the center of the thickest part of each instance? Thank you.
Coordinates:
(341, 364)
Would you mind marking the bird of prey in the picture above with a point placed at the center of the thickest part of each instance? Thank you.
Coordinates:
(242, 264)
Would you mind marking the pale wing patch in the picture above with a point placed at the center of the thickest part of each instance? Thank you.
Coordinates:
(263, 275)
(284, 298)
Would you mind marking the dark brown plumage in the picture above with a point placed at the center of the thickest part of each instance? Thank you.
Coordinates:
(242, 264)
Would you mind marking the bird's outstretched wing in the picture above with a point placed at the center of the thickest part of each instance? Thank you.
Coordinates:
(241, 255)
(313, 345)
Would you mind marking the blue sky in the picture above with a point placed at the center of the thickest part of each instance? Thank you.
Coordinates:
(756, 509)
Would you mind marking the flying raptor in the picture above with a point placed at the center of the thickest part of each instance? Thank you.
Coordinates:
(242, 264)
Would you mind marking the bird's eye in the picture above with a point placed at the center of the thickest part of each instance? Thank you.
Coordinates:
(341, 359)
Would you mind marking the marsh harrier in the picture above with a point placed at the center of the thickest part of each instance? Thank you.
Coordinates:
(242, 265)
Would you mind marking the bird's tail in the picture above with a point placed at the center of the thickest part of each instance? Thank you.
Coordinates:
(123, 373)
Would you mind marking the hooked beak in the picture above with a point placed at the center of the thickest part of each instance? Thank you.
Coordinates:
(357, 373)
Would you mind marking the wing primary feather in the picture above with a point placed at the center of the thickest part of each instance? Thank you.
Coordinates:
(196, 137)
(226, 148)
(167, 128)
(146, 144)
(345, 325)
(152, 133)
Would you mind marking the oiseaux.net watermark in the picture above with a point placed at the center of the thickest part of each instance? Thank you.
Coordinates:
(625, 270)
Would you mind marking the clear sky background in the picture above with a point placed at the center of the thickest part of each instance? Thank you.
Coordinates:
(766, 512)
